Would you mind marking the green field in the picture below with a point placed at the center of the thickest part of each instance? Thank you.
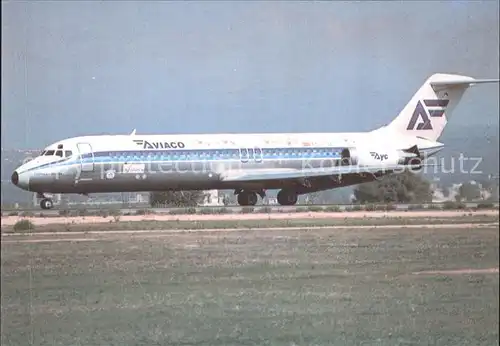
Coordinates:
(259, 287)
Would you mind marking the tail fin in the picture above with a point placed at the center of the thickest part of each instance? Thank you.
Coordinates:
(431, 107)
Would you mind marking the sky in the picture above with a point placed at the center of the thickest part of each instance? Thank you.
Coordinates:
(79, 68)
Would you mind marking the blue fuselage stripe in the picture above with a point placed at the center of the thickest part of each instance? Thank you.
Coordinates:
(181, 155)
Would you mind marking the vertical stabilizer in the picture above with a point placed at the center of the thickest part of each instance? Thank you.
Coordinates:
(429, 110)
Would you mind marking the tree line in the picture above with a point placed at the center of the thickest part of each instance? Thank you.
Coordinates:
(406, 187)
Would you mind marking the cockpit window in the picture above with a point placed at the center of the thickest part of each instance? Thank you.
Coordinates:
(59, 153)
(68, 153)
(49, 152)
(43, 153)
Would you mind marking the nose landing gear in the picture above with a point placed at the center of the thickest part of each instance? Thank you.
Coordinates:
(46, 203)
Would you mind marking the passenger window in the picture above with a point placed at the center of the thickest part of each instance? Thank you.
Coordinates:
(68, 153)
(59, 153)
(49, 153)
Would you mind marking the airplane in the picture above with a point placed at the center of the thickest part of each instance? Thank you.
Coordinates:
(249, 164)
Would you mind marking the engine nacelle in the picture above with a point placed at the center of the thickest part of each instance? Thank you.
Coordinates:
(378, 156)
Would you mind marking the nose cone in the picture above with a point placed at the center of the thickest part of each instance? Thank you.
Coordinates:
(20, 180)
(15, 178)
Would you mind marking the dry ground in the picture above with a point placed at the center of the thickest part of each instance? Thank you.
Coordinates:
(11, 220)
(383, 286)
(242, 221)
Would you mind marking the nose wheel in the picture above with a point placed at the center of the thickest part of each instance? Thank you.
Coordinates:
(46, 203)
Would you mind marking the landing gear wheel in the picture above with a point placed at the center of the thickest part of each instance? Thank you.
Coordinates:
(46, 203)
(287, 197)
(247, 198)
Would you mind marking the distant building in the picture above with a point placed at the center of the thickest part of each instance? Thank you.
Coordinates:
(272, 201)
(213, 198)
(438, 192)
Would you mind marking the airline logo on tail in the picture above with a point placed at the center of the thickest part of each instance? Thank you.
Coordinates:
(429, 109)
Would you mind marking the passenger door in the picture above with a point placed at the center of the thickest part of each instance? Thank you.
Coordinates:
(86, 157)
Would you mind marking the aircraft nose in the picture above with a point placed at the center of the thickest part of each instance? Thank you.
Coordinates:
(20, 180)
(15, 178)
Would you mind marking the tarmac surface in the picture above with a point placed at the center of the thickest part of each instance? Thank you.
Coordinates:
(385, 285)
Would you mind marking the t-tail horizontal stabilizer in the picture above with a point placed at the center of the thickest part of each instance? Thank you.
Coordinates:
(463, 81)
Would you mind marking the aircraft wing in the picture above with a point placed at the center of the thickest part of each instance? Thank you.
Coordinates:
(285, 174)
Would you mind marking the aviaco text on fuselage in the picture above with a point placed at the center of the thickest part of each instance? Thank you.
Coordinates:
(249, 164)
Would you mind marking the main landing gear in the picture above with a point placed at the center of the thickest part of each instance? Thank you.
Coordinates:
(249, 198)
(287, 197)
(246, 198)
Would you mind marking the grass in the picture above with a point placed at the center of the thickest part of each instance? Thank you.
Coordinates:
(116, 224)
(311, 287)
(23, 226)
